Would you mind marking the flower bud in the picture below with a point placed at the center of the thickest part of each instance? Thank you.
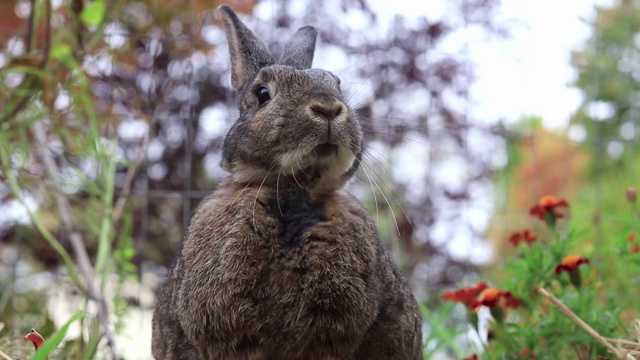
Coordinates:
(632, 194)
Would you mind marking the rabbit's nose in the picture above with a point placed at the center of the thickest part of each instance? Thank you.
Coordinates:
(329, 111)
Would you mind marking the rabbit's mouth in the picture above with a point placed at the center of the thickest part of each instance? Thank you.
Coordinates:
(326, 149)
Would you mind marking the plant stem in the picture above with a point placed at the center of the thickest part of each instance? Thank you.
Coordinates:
(39, 133)
(55, 244)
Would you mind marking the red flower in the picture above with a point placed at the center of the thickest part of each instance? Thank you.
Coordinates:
(471, 357)
(527, 353)
(35, 338)
(511, 301)
(547, 209)
(525, 235)
(632, 194)
(465, 296)
(632, 237)
(635, 249)
(570, 263)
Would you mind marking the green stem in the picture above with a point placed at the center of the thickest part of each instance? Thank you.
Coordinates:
(17, 192)
(104, 242)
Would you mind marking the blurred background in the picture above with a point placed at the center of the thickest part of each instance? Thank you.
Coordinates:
(114, 112)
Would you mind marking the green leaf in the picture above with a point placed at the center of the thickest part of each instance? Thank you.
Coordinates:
(61, 52)
(52, 343)
(93, 13)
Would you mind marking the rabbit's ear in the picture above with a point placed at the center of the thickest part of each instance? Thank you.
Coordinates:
(299, 50)
(248, 53)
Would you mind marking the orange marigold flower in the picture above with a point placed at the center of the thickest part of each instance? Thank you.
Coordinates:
(465, 296)
(525, 235)
(570, 263)
(546, 209)
(489, 297)
(492, 297)
(632, 237)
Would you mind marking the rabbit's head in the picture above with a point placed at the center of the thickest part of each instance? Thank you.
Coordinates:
(294, 121)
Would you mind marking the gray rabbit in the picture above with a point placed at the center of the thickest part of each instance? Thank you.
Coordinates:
(281, 262)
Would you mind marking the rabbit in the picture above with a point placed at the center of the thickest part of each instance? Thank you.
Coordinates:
(280, 262)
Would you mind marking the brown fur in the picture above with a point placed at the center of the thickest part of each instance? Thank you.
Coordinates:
(280, 263)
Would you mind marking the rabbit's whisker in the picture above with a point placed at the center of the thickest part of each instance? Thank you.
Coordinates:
(355, 92)
(237, 196)
(255, 201)
(300, 167)
(294, 177)
(277, 195)
(345, 71)
(374, 132)
(388, 186)
(375, 198)
(413, 185)
(364, 101)
(385, 199)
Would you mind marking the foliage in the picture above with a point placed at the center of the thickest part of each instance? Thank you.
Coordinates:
(532, 325)
(61, 158)
(49, 346)
(609, 117)
(608, 74)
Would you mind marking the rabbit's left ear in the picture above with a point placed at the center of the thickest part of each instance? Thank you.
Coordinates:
(299, 50)
(248, 53)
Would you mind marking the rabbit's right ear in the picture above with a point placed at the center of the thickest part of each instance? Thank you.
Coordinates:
(248, 53)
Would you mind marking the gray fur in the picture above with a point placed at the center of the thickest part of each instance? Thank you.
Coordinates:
(298, 53)
(248, 53)
(281, 262)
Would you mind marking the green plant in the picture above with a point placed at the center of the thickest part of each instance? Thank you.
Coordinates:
(59, 163)
(555, 300)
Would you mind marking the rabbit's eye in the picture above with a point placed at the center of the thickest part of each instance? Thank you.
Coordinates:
(262, 93)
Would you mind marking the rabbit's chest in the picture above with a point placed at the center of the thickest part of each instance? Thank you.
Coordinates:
(300, 258)
(305, 241)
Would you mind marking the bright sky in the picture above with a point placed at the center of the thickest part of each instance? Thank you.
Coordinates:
(528, 73)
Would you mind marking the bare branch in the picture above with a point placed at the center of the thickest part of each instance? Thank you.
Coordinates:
(583, 325)
(131, 175)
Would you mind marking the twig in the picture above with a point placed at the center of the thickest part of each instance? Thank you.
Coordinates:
(5, 356)
(47, 34)
(583, 325)
(126, 190)
(624, 342)
(77, 243)
(28, 35)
